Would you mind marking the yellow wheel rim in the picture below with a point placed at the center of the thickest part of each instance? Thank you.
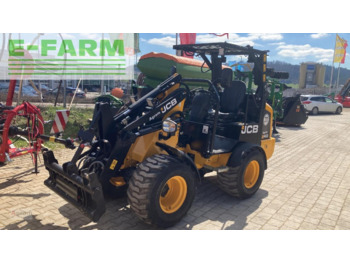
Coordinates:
(173, 194)
(251, 174)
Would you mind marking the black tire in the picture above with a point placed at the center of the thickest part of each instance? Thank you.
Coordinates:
(314, 111)
(339, 110)
(148, 187)
(233, 181)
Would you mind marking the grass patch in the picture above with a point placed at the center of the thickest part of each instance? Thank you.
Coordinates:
(77, 117)
(295, 86)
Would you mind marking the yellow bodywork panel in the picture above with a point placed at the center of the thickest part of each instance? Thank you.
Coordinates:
(145, 146)
(269, 144)
(215, 161)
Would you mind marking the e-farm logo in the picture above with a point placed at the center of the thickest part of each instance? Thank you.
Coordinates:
(68, 59)
(86, 47)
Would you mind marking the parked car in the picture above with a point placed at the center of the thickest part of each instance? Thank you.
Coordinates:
(43, 88)
(69, 91)
(79, 92)
(320, 104)
(4, 85)
(27, 90)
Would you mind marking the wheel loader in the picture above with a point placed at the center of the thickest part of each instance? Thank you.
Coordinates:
(158, 148)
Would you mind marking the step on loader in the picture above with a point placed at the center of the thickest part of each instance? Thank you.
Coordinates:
(157, 148)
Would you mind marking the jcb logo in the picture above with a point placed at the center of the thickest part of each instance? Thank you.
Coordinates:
(168, 106)
(250, 129)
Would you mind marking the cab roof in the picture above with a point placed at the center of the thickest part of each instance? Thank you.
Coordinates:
(223, 48)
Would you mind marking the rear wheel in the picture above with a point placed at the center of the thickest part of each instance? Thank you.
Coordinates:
(339, 110)
(243, 181)
(162, 190)
(315, 111)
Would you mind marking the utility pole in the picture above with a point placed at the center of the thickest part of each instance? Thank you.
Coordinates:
(102, 82)
(337, 85)
(64, 93)
(330, 84)
(178, 52)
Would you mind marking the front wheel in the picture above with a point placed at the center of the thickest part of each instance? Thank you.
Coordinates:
(162, 190)
(243, 181)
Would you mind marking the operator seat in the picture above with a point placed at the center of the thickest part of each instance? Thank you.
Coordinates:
(234, 92)
(231, 102)
(233, 97)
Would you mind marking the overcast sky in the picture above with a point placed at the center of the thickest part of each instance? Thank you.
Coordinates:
(293, 48)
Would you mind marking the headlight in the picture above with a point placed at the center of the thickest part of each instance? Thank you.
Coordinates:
(169, 126)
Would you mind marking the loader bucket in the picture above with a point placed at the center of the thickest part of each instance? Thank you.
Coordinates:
(84, 192)
(294, 112)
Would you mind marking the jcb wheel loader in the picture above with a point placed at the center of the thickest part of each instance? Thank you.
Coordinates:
(157, 147)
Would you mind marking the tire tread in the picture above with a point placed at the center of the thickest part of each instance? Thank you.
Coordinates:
(142, 182)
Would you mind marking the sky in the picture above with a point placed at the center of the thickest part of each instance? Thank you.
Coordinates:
(293, 48)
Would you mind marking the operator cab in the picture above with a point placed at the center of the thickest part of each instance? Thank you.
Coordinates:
(225, 114)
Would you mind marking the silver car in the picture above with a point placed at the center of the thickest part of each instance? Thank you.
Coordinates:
(320, 104)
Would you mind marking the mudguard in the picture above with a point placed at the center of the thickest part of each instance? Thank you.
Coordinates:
(239, 152)
(181, 155)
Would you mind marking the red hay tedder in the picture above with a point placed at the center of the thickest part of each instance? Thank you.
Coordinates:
(33, 130)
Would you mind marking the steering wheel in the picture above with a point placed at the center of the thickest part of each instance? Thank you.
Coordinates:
(210, 92)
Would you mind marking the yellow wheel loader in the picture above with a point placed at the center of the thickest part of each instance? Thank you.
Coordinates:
(157, 148)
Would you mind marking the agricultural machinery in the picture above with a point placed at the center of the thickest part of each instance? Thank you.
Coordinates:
(158, 147)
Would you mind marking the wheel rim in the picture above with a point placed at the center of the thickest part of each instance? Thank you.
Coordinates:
(315, 111)
(173, 194)
(251, 174)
